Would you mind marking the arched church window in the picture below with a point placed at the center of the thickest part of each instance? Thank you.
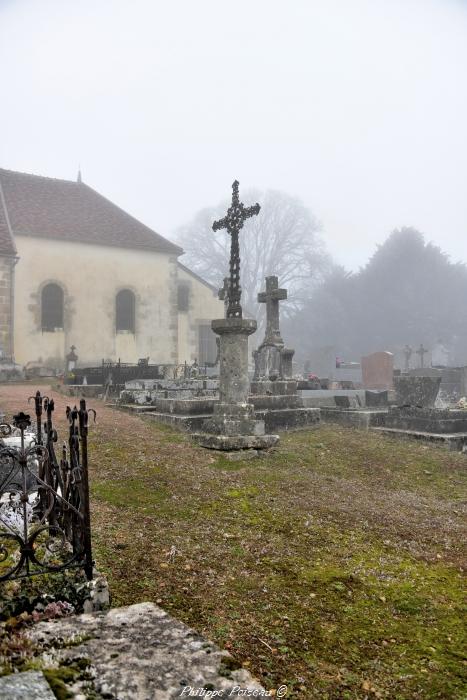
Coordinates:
(183, 296)
(125, 311)
(52, 307)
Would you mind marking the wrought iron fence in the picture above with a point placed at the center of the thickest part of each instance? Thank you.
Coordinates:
(118, 373)
(44, 501)
(114, 373)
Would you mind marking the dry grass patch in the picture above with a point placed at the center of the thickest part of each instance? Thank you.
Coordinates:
(333, 565)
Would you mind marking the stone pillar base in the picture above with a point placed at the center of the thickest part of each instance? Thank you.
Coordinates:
(233, 425)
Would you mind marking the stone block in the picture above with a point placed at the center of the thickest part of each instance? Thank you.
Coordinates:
(185, 406)
(289, 418)
(427, 420)
(353, 418)
(342, 401)
(417, 390)
(189, 423)
(276, 388)
(376, 399)
(273, 403)
(140, 652)
(231, 426)
(451, 441)
(238, 410)
(30, 685)
(236, 442)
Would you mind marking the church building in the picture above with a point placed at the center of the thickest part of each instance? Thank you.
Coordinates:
(75, 269)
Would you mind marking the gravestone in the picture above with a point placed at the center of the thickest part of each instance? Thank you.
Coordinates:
(378, 370)
(274, 393)
(233, 425)
(440, 355)
(416, 415)
(272, 359)
(421, 352)
(407, 355)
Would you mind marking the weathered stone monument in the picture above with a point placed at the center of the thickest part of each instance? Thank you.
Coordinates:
(233, 425)
(419, 391)
(272, 359)
(273, 391)
(415, 415)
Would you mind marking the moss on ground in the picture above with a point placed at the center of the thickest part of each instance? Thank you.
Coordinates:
(332, 565)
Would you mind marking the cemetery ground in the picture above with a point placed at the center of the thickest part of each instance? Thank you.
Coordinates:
(332, 565)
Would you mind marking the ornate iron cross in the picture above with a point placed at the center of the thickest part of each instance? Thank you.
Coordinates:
(237, 213)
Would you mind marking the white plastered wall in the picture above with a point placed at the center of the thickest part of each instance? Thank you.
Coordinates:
(91, 276)
(204, 306)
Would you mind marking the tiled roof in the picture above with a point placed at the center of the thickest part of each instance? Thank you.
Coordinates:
(71, 211)
(197, 277)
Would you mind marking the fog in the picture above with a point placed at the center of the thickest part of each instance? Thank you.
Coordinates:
(358, 107)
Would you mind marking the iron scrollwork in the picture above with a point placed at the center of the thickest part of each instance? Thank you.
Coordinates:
(44, 502)
(237, 214)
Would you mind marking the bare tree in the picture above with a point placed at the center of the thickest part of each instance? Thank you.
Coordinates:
(283, 240)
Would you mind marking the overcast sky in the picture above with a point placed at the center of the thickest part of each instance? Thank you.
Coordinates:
(358, 107)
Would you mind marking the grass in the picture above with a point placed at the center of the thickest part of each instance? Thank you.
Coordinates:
(334, 565)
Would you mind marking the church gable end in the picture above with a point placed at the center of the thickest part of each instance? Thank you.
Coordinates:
(106, 283)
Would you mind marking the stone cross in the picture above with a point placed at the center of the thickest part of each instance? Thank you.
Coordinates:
(407, 354)
(422, 351)
(237, 213)
(271, 298)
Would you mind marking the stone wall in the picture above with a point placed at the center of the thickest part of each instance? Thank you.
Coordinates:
(91, 276)
(7, 264)
(204, 306)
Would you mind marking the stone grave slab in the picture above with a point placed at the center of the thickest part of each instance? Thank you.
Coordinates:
(416, 416)
(30, 685)
(140, 652)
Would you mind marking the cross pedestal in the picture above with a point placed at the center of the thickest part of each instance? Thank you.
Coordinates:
(233, 425)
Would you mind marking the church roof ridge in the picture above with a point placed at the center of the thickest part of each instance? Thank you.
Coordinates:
(67, 210)
(7, 171)
(194, 274)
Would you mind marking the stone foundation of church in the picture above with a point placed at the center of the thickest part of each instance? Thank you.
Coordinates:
(6, 284)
